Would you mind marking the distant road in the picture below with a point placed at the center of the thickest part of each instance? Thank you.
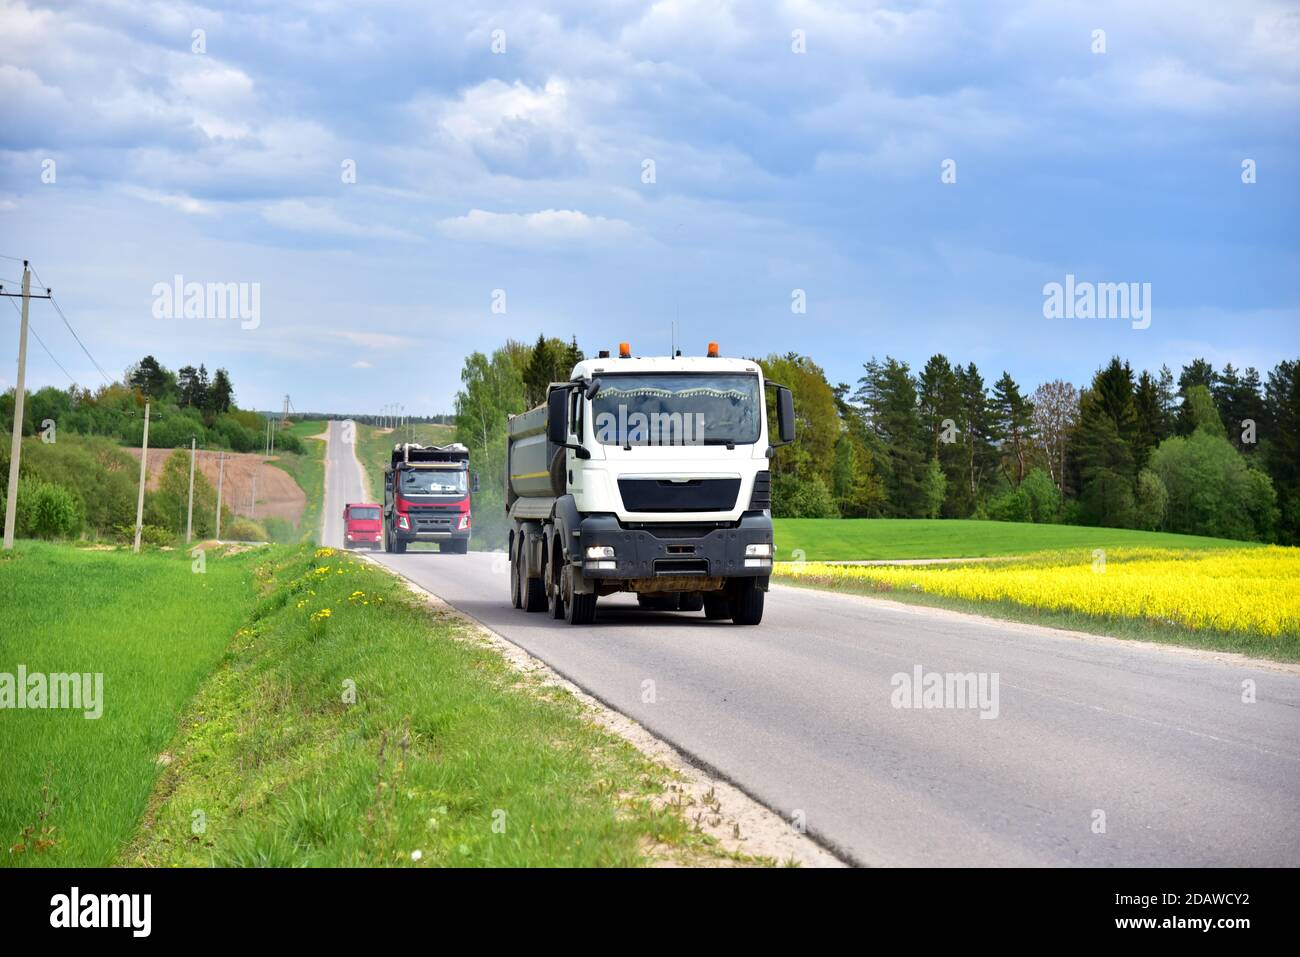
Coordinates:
(1156, 746)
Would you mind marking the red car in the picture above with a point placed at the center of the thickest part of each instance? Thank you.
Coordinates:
(363, 524)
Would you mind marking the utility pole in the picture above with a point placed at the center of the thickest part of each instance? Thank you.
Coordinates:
(16, 443)
(189, 515)
(252, 505)
(221, 478)
(144, 460)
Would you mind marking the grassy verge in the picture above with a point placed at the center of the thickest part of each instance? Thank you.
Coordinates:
(154, 629)
(1243, 600)
(349, 726)
(308, 470)
(862, 539)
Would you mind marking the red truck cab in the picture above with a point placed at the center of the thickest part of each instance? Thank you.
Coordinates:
(363, 524)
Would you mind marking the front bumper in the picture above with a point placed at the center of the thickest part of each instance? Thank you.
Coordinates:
(431, 524)
(675, 551)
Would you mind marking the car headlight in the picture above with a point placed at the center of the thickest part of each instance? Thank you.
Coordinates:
(599, 551)
(759, 550)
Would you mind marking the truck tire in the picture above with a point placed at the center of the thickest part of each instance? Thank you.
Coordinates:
(717, 606)
(399, 546)
(533, 589)
(516, 593)
(747, 609)
(554, 590)
(690, 601)
(580, 609)
(459, 546)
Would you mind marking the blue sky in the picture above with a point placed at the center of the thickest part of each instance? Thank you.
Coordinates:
(522, 171)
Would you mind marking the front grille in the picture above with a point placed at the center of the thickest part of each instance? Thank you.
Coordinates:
(697, 495)
(761, 497)
(681, 566)
(434, 519)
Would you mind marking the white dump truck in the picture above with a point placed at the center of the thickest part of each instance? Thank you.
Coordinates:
(646, 475)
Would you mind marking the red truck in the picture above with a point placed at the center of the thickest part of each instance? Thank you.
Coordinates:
(427, 491)
(363, 524)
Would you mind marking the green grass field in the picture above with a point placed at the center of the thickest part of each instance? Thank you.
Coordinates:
(300, 707)
(863, 539)
(154, 629)
(443, 755)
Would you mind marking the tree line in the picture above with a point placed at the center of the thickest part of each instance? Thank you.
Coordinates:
(1206, 451)
(185, 403)
(1210, 452)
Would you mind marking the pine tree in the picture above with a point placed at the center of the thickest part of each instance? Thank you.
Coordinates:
(1150, 419)
(888, 394)
(1012, 423)
(976, 432)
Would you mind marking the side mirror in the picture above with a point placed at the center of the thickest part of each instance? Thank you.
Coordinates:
(473, 481)
(593, 386)
(785, 414)
(557, 417)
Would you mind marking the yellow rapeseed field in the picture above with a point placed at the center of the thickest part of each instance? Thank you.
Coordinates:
(1243, 590)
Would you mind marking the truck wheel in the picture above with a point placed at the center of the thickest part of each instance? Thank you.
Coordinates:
(748, 607)
(690, 601)
(717, 606)
(580, 609)
(399, 546)
(388, 540)
(534, 589)
(516, 595)
(555, 599)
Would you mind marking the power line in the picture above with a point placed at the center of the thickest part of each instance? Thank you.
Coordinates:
(37, 335)
(59, 309)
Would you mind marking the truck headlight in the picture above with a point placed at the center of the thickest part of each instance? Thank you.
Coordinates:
(403, 521)
(464, 522)
(759, 550)
(599, 551)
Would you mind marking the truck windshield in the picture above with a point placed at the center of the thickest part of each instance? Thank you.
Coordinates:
(677, 409)
(363, 514)
(434, 481)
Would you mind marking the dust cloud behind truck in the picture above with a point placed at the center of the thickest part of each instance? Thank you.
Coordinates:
(427, 497)
(646, 475)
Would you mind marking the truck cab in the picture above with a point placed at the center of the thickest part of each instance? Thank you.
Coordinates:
(646, 475)
(363, 524)
(427, 497)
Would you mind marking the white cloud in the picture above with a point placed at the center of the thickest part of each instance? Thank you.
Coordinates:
(362, 364)
(316, 217)
(543, 228)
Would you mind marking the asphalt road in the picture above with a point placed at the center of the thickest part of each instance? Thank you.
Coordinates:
(1101, 753)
